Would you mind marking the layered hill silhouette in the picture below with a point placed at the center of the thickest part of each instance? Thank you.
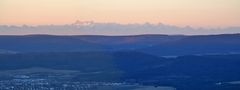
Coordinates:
(199, 62)
(160, 45)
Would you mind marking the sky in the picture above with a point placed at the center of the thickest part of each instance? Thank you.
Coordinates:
(196, 13)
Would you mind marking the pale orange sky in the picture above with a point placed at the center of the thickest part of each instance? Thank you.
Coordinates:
(199, 13)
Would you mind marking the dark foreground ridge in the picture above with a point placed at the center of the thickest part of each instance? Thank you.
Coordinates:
(206, 72)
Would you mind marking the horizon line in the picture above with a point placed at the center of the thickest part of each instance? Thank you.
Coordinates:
(77, 22)
(133, 35)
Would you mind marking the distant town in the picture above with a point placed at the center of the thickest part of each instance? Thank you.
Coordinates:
(24, 82)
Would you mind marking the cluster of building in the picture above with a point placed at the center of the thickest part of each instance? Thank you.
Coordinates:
(45, 84)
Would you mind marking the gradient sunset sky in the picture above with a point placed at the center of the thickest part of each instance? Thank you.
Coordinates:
(197, 13)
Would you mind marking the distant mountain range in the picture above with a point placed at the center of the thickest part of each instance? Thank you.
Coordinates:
(160, 45)
(92, 28)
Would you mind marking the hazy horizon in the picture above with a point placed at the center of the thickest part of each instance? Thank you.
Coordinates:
(119, 17)
(113, 29)
(194, 13)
